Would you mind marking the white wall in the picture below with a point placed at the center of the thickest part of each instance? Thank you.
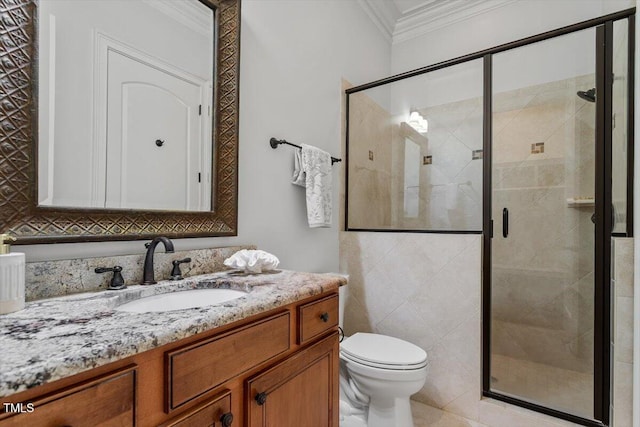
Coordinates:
(293, 56)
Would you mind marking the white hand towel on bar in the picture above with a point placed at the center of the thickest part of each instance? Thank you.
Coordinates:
(312, 170)
(299, 177)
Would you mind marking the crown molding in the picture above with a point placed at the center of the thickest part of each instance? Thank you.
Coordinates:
(384, 15)
(429, 16)
(187, 13)
(436, 14)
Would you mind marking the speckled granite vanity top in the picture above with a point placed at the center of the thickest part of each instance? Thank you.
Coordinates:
(59, 337)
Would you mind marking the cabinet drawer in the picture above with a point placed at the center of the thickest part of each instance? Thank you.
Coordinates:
(317, 317)
(198, 368)
(105, 401)
(214, 413)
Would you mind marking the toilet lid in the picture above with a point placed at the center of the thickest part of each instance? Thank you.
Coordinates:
(382, 350)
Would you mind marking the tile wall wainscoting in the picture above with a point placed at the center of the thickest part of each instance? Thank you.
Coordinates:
(622, 336)
(426, 288)
(423, 288)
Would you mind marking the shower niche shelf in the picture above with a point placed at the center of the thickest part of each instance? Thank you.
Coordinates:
(581, 202)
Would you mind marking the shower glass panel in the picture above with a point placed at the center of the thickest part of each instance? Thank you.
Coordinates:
(543, 189)
(619, 132)
(415, 152)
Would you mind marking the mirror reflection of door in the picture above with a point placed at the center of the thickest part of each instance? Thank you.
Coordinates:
(148, 65)
(154, 138)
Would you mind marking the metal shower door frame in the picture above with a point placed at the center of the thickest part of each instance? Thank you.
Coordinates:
(603, 215)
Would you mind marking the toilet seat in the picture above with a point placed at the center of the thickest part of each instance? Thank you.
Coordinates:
(387, 367)
(383, 352)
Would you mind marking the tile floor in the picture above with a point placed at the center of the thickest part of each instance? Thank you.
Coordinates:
(428, 416)
(563, 389)
(491, 412)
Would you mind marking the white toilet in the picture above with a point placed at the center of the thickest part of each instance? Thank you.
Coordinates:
(378, 375)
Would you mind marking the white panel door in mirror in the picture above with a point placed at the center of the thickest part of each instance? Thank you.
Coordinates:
(154, 138)
(160, 49)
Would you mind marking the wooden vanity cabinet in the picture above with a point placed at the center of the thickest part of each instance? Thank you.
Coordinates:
(277, 368)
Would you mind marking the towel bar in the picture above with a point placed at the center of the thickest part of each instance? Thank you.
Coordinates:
(275, 142)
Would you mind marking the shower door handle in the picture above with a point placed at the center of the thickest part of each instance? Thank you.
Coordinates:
(613, 217)
(505, 222)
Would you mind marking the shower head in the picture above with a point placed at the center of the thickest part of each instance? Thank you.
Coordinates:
(589, 95)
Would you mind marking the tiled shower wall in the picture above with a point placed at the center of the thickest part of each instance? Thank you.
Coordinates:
(452, 185)
(370, 164)
(622, 336)
(543, 156)
(449, 190)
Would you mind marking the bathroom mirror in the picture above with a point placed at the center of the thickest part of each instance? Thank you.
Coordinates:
(120, 120)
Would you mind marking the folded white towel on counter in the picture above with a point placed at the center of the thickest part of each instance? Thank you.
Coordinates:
(252, 261)
(312, 170)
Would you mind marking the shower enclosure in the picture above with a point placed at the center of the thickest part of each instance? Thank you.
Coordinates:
(559, 141)
(538, 136)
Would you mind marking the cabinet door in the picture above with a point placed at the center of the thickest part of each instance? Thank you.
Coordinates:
(299, 391)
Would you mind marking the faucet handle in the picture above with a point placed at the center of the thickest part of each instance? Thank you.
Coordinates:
(176, 274)
(117, 281)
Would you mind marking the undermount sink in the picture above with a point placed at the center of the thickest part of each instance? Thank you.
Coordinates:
(181, 300)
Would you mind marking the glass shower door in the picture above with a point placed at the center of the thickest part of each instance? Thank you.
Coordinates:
(543, 204)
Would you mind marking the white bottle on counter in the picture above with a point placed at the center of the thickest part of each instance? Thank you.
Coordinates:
(12, 266)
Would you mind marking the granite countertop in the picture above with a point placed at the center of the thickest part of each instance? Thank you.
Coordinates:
(55, 338)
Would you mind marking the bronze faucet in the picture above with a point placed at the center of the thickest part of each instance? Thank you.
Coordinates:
(147, 276)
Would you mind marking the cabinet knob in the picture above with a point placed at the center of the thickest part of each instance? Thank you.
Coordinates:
(226, 419)
(261, 398)
(325, 317)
